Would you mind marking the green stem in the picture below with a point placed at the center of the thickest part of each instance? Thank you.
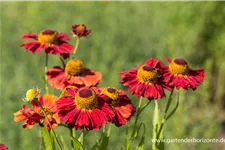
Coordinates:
(138, 113)
(103, 128)
(127, 143)
(57, 141)
(82, 141)
(76, 47)
(168, 103)
(46, 68)
(155, 120)
(165, 114)
(73, 135)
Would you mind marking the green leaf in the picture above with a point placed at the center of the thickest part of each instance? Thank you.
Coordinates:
(81, 137)
(77, 144)
(142, 141)
(47, 139)
(103, 142)
(138, 130)
(64, 143)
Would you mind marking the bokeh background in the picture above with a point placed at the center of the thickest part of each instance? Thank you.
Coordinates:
(124, 34)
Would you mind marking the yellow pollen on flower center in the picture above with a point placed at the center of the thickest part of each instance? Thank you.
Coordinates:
(47, 37)
(113, 94)
(179, 67)
(86, 99)
(74, 67)
(147, 74)
(48, 111)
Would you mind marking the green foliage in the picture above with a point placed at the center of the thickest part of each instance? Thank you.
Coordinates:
(77, 144)
(102, 143)
(47, 140)
(64, 143)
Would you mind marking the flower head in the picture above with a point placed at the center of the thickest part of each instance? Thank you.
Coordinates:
(84, 108)
(29, 115)
(50, 41)
(48, 102)
(121, 105)
(74, 73)
(180, 75)
(145, 80)
(35, 114)
(80, 30)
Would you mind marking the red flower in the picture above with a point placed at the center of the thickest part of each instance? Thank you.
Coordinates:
(179, 74)
(27, 114)
(84, 108)
(145, 80)
(3, 147)
(48, 102)
(50, 41)
(36, 115)
(80, 30)
(121, 105)
(74, 73)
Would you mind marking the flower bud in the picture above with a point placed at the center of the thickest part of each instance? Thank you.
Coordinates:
(32, 94)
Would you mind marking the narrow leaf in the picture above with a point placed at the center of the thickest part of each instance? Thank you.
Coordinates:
(81, 137)
(102, 143)
(47, 139)
(77, 144)
(137, 131)
(142, 141)
(64, 143)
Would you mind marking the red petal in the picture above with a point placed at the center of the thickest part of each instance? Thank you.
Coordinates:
(63, 36)
(32, 46)
(30, 35)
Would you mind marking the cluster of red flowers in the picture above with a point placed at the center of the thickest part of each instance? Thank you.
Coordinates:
(150, 79)
(81, 103)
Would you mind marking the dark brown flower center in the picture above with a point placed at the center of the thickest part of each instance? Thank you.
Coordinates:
(179, 67)
(113, 94)
(147, 74)
(86, 99)
(111, 90)
(74, 67)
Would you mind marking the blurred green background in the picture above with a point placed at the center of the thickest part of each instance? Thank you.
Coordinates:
(124, 34)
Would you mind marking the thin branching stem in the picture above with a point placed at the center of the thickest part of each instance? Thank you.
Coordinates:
(57, 141)
(165, 114)
(46, 68)
(138, 113)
